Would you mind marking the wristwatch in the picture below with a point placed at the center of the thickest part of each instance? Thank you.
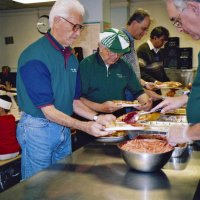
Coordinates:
(95, 118)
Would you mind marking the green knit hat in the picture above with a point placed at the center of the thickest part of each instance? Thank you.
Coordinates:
(115, 40)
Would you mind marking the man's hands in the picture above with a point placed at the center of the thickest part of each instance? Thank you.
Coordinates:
(153, 95)
(105, 119)
(145, 101)
(97, 128)
(171, 103)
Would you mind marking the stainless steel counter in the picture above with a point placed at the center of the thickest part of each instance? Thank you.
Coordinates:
(97, 172)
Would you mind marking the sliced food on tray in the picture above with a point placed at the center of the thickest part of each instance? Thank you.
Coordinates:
(168, 84)
(130, 117)
(119, 126)
(127, 103)
(173, 118)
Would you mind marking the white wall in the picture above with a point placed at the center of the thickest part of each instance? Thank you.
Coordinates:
(21, 24)
(118, 15)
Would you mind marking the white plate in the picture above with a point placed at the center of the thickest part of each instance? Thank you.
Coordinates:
(112, 139)
(128, 105)
(124, 128)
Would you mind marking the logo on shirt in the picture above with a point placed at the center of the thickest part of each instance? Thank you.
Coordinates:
(74, 70)
(120, 76)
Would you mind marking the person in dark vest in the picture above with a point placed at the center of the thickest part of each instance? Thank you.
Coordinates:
(151, 56)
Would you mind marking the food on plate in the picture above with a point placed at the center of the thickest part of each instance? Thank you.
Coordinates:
(168, 84)
(178, 111)
(119, 126)
(127, 103)
(123, 124)
(152, 145)
(171, 93)
(173, 118)
(130, 119)
(117, 134)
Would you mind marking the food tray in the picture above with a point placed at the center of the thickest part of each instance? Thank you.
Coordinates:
(155, 127)
(173, 118)
(161, 126)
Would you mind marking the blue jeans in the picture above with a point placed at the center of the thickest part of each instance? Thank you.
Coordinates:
(42, 142)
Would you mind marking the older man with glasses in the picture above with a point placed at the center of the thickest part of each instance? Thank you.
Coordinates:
(46, 81)
(104, 76)
(185, 16)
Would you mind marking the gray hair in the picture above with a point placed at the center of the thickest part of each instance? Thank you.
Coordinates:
(62, 7)
(182, 4)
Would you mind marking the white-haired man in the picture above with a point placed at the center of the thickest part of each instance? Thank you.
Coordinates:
(104, 76)
(46, 81)
(185, 16)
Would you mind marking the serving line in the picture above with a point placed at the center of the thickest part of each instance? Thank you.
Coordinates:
(97, 171)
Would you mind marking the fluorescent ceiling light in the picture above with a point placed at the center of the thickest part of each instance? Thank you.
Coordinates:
(32, 1)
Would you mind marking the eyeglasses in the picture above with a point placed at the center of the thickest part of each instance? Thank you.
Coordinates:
(76, 27)
(176, 21)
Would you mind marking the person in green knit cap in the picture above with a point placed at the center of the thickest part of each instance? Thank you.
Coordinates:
(104, 76)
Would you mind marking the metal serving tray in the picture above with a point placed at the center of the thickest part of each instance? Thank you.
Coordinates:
(154, 127)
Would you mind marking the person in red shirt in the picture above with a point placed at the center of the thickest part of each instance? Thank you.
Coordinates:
(9, 147)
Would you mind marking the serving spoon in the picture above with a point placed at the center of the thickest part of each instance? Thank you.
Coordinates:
(137, 116)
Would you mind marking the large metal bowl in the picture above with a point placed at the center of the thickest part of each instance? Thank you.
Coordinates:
(145, 162)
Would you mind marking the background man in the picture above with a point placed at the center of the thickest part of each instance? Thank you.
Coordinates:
(151, 56)
(137, 26)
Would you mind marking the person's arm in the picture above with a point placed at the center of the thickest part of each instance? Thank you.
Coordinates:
(91, 127)
(144, 75)
(81, 109)
(147, 85)
(142, 59)
(106, 107)
(171, 103)
(153, 95)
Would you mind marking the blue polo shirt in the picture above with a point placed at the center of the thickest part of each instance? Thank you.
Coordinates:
(46, 75)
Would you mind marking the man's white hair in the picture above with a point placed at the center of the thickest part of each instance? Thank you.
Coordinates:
(182, 4)
(62, 7)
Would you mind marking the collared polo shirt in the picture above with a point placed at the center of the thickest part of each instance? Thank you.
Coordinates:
(99, 83)
(46, 76)
(193, 105)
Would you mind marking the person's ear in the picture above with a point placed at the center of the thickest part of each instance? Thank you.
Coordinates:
(56, 20)
(194, 7)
